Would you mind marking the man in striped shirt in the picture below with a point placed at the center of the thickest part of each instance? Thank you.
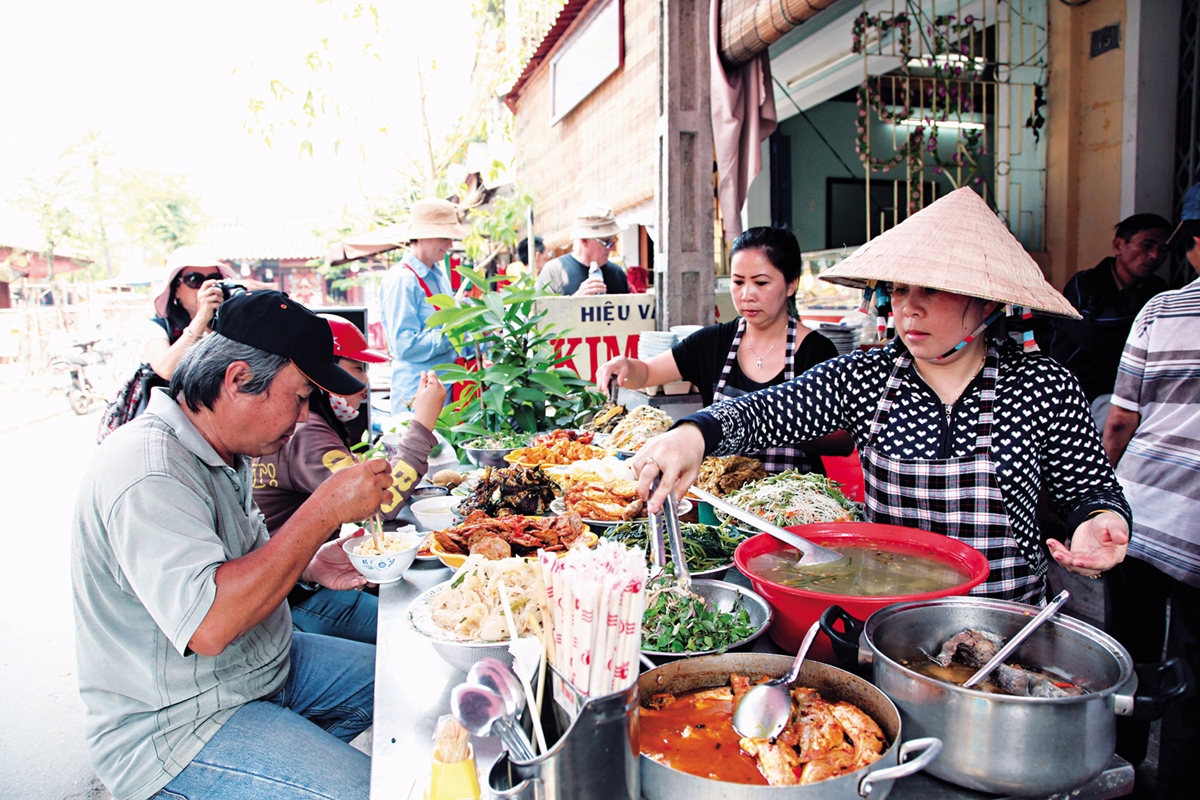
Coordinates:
(1152, 436)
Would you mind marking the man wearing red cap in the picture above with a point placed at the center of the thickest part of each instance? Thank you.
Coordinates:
(192, 677)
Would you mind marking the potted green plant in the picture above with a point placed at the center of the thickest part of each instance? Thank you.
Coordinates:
(520, 385)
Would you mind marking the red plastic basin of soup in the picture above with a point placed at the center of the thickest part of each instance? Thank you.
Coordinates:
(797, 609)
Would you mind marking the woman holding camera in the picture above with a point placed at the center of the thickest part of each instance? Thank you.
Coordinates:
(185, 307)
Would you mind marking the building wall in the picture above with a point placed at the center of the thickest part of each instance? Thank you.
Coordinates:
(603, 150)
(1084, 111)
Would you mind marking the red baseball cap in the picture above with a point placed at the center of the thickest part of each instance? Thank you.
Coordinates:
(348, 341)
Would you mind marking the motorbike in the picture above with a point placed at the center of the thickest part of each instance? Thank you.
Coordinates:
(81, 393)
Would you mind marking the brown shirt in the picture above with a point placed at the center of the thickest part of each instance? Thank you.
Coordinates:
(284, 480)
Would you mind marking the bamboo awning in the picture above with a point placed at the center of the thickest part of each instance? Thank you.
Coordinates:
(750, 26)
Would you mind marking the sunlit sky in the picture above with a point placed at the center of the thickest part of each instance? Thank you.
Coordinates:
(167, 85)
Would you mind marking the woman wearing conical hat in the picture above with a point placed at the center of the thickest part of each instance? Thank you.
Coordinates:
(958, 431)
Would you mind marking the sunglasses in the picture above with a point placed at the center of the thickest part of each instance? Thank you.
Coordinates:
(194, 280)
(609, 244)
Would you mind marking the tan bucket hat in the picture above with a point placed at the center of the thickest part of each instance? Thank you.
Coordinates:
(435, 219)
(955, 244)
(595, 222)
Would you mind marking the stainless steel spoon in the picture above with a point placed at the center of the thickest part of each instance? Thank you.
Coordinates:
(494, 674)
(483, 713)
(810, 554)
(765, 710)
(1012, 644)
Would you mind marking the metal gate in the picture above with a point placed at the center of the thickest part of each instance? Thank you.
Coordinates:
(1187, 125)
(962, 108)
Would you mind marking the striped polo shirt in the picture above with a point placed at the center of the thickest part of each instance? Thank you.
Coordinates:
(1159, 378)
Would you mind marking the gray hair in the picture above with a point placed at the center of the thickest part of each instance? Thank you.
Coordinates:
(201, 372)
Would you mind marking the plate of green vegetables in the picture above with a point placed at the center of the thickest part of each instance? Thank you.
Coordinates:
(709, 548)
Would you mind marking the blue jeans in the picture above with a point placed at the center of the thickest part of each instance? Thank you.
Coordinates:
(347, 615)
(293, 745)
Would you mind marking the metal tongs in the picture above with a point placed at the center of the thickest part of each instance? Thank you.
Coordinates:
(612, 389)
(811, 555)
(666, 524)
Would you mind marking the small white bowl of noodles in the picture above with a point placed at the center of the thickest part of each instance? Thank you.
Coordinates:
(386, 564)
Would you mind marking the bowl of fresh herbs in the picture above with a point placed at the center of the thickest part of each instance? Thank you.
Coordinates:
(489, 451)
(712, 617)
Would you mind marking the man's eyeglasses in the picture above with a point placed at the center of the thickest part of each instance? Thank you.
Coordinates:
(609, 244)
(194, 280)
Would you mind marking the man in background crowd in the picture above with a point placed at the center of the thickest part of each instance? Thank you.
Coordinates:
(593, 238)
(1108, 296)
(1152, 436)
(419, 275)
(523, 266)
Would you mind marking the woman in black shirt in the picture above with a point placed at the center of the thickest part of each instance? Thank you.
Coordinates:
(766, 345)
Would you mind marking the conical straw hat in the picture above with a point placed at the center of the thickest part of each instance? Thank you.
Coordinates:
(956, 244)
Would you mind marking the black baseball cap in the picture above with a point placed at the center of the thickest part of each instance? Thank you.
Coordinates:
(273, 322)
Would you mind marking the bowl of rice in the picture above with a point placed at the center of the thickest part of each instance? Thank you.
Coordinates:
(388, 562)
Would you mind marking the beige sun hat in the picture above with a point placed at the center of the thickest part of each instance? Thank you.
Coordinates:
(595, 222)
(435, 219)
(955, 244)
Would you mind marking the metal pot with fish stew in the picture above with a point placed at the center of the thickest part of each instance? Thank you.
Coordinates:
(885, 564)
(844, 740)
(1043, 722)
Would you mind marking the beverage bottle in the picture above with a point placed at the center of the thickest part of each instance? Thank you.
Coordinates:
(594, 271)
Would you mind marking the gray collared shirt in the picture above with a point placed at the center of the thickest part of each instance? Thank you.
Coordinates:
(158, 511)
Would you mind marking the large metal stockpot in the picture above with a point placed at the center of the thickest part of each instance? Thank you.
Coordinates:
(660, 782)
(999, 743)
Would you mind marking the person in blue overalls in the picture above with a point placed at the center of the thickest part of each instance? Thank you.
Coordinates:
(959, 432)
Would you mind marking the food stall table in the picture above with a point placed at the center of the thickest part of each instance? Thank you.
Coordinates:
(413, 685)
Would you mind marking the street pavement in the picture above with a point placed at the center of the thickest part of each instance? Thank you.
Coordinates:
(46, 447)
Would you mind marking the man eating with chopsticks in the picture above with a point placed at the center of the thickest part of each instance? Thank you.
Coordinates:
(194, 682)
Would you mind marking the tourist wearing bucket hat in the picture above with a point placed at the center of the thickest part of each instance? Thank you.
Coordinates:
(958, 431)
(184, 307)
(318, 449)
(594, 235)
(432, 228)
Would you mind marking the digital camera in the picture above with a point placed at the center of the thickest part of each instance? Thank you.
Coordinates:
(230, 288)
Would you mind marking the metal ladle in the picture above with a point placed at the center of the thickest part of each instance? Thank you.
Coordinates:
(764, 711)
(483, 712)
(1012, 644)
(810, 554)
